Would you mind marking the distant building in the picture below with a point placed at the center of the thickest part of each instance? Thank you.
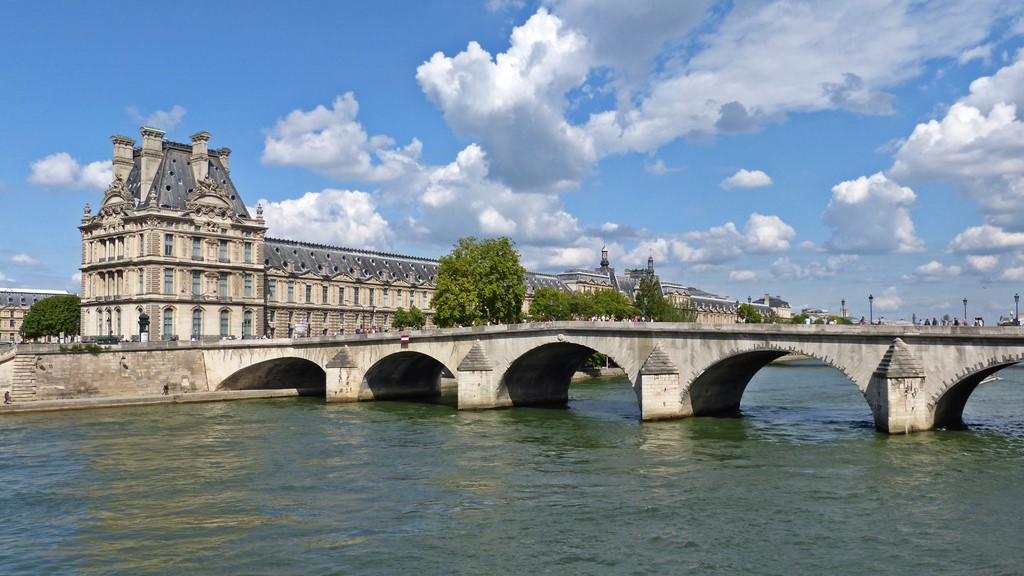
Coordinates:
(14, 304)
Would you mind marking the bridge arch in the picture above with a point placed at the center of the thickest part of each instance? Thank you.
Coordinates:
(718, 389)
(405, 375)
(543, 374)
(950, 401)
(308, 378)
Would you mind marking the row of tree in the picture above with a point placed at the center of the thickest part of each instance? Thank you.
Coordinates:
(482, 282)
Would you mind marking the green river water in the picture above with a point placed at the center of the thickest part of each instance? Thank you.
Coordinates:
(800, 484)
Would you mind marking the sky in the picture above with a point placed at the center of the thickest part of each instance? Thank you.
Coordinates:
(814, 150)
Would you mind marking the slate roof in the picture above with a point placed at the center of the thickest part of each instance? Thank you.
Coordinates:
(26, 296)
(299, 258)
(174, 179)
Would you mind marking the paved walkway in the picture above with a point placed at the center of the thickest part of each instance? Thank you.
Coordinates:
(122, 401)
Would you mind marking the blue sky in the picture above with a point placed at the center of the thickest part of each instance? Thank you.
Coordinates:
(810, 150)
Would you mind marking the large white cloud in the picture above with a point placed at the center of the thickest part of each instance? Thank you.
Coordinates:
(331, 141)
(871, 215)
(337, 217)
(60, 170)
(978, 146)
(514, 103)
(986, 240)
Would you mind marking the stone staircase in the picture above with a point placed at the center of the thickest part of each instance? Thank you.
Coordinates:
(23, 386)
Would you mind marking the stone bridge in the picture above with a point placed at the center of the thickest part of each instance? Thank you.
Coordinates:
(913, 377)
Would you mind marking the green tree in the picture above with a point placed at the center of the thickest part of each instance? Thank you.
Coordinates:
(612, 303)
(650, 304)
(415, 318)
(550, 304)
(748, 313)
(479, 282)
(52, 316)
(400, 319)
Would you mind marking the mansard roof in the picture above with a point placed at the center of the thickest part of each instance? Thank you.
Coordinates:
(299, 258)
(26, 296)
(535, 281)
(174, 179)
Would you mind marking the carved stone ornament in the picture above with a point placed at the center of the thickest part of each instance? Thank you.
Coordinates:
(200, 197)
(118, 190)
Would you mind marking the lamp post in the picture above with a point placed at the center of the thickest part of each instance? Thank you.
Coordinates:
(871, 309)
(842, 308)
(1016, 308)
(965, 311)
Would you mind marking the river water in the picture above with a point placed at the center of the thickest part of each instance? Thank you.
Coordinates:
(800, 484)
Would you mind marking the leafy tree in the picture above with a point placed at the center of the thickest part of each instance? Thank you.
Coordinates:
(748, 313)
(412, 318)
(400, 319)
(415, 318)
(550, 304)
(612, 303)
(479, 282)
(653, 306)
(52, 316)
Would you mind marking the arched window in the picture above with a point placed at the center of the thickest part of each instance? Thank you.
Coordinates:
(117, 321)
(247, 324)
(197, 323)
(224, 317)
(168, 324)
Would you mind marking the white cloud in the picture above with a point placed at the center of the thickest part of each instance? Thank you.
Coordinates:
(933, 271)
(765, 234)
(982, 52)
(338, 217)
(984, 263)
(1012, 274)
(785, 269)
(518, 97)
(742, 276)
(23, 260)
(871, 215)
(889, 300)
(986, 239)
(60, 170)
(978, 146)
(165, 120)
(331, 141)
(460, 199)
(6, 279)
(658, 168)
(746, 179)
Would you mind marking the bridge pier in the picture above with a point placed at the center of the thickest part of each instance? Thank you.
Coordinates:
(344, 378)
(661, 388)
(896, 393)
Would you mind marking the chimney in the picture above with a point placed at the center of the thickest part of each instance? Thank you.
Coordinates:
(224, 153)
(123, 149)
(152, 155)
(767, 300)
(200, 156)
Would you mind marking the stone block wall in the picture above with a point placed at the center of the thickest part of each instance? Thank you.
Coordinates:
(67, 375)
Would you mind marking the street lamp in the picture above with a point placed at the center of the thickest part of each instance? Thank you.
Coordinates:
(1016, 308)
(871, 309)
(842, 308)
(965, 311)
